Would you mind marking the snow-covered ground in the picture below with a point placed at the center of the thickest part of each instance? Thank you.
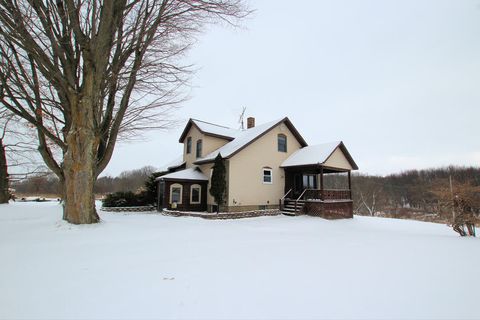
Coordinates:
(152, 266)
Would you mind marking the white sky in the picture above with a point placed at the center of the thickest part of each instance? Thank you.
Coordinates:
(397, 81)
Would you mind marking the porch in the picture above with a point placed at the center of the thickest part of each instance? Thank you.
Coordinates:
(318, 191)
(318, 182)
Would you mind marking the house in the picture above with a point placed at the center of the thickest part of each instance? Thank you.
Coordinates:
(269, 166)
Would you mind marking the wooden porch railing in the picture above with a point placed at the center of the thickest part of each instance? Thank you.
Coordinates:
(327, 194)
(299, 198)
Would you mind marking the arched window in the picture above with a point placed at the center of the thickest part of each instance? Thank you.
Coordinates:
(195, 194)
(282, 143)
(199, 148)
(176, 191)
(189, 145)
(267, 175)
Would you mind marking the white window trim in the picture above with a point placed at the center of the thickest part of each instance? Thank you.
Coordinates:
(263, 175)
(176, 185)
(199, 193)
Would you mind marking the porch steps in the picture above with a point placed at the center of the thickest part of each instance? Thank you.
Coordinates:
(289, 207)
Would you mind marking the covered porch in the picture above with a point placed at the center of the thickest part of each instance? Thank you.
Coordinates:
(318, 182)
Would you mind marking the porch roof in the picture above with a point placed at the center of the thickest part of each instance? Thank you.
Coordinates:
(193, 173)
(318, 155)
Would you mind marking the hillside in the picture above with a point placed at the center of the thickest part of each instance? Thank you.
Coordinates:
(153, 266)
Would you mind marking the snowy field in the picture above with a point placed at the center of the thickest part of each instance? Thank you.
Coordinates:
(140, 266)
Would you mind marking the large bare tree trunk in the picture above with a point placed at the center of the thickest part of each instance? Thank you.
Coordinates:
(78, 195)
(4, 195)
(86, 73)
(79, 167)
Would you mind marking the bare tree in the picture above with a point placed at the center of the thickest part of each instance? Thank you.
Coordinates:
(84, 72)
(459, 203)
(4, 193)
(16, 151)
(369, 195)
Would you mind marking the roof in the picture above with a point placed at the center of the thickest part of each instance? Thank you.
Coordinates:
(210, 129)
(178, 162)
(193, 173)
(317, 155)
(248, 136)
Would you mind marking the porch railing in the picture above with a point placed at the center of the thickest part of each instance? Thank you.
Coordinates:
(326, 194)
(300, 198)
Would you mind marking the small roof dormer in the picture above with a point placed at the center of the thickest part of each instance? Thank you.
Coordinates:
(210, 129)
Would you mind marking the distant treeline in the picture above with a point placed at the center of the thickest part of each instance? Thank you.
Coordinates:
(416, 192)
(132, 180)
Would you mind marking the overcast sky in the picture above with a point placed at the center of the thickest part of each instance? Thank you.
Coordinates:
(397, 81)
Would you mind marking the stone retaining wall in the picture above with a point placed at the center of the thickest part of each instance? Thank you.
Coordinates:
(223, 216)
(128, 209)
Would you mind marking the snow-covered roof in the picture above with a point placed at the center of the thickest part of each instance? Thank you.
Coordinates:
(216, 129)
(193, 173)
(172, 164)
(316, 154)
(210, 129)
(244, 138)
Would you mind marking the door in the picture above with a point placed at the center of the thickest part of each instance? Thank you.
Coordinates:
(309, 181)
(302, 182)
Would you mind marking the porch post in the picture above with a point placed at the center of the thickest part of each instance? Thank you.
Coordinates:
(321, 182)
(350, 184)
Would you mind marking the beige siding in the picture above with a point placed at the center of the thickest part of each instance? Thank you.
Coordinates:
(209, 144)
(246, 187)
(338, 160)
(206, 169)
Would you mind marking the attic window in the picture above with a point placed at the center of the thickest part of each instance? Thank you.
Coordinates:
(199, 148)
(282, 143)
(189, 145)
(267, 175)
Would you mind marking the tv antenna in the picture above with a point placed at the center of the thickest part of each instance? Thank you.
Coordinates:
(240, 120)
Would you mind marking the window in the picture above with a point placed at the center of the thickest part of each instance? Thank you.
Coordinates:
(282, 143)
(267, 176)
(199, 148)
(176, 193)
(189, 145)
(195, 194)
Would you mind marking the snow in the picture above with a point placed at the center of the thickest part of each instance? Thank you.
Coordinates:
(316, 154)
(188, 174)
(244, 138)
(172, 164)
(144, 266)
(216, 129)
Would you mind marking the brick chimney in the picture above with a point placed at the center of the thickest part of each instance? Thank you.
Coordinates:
(250, 122)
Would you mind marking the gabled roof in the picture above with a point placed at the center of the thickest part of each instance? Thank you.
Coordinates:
(193, 173)
(317, 155)
(246, 137)
(210, 129)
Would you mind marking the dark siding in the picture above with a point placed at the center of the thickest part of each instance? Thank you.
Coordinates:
(186, 205)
